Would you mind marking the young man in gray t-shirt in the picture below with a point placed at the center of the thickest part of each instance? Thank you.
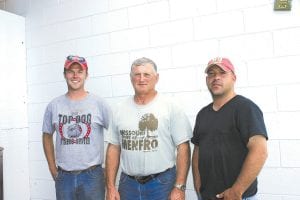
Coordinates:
(78, 118)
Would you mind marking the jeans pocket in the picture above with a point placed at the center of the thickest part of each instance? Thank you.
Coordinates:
(96, 173)
(167, 177)
(59, 176)
(123, 178)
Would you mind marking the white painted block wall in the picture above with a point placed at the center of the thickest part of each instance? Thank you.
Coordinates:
(181, 36)
(13, 107)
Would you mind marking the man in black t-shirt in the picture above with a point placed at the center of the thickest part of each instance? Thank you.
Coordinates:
(230, 139)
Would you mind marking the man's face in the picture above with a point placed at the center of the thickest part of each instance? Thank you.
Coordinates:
(219, 82)
(144, 79)
(75, 77)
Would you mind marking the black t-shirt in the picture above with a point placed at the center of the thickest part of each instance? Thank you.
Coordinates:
(222, 137)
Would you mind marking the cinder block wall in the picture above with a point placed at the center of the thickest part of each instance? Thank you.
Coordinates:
(181, 36)
(13, 107)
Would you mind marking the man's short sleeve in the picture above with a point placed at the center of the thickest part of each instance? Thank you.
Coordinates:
(47, 121)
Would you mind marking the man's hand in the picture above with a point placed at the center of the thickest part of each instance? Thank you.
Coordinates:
(54, 172)
(112, 194)
(177, 194)
(230, 194)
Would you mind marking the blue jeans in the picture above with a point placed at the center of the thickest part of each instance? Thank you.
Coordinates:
(251, 198)
(158, 188)
(254, 197)
(87, 185)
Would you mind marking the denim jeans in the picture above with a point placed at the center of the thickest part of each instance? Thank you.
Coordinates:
(254, 197)
(158, 188)
(251, 198)
(87, 185)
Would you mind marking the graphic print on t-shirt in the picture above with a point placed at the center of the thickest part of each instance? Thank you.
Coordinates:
(75, 128)
(143, 139)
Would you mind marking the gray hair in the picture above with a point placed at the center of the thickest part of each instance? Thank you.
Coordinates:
(143, 61)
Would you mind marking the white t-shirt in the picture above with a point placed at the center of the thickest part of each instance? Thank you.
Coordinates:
(148, 135)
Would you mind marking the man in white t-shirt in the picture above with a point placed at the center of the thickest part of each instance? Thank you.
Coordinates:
(147, 130)
(78, 118)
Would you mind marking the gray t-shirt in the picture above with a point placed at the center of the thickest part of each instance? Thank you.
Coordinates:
(79, 130)
(148, 134)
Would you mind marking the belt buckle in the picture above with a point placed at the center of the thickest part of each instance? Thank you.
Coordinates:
(143, 179)
(92, 167)
(85, 170)
(76, 172)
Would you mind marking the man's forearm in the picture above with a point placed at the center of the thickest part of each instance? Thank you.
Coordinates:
(253, 163)
(183, 162)
(49, 152)
(112, 164)
(195, 169)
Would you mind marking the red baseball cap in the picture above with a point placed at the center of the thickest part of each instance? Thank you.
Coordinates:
(75, 59)
(223, 63)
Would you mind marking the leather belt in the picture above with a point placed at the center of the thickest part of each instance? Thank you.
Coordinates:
(145, 179)
(79, 171)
